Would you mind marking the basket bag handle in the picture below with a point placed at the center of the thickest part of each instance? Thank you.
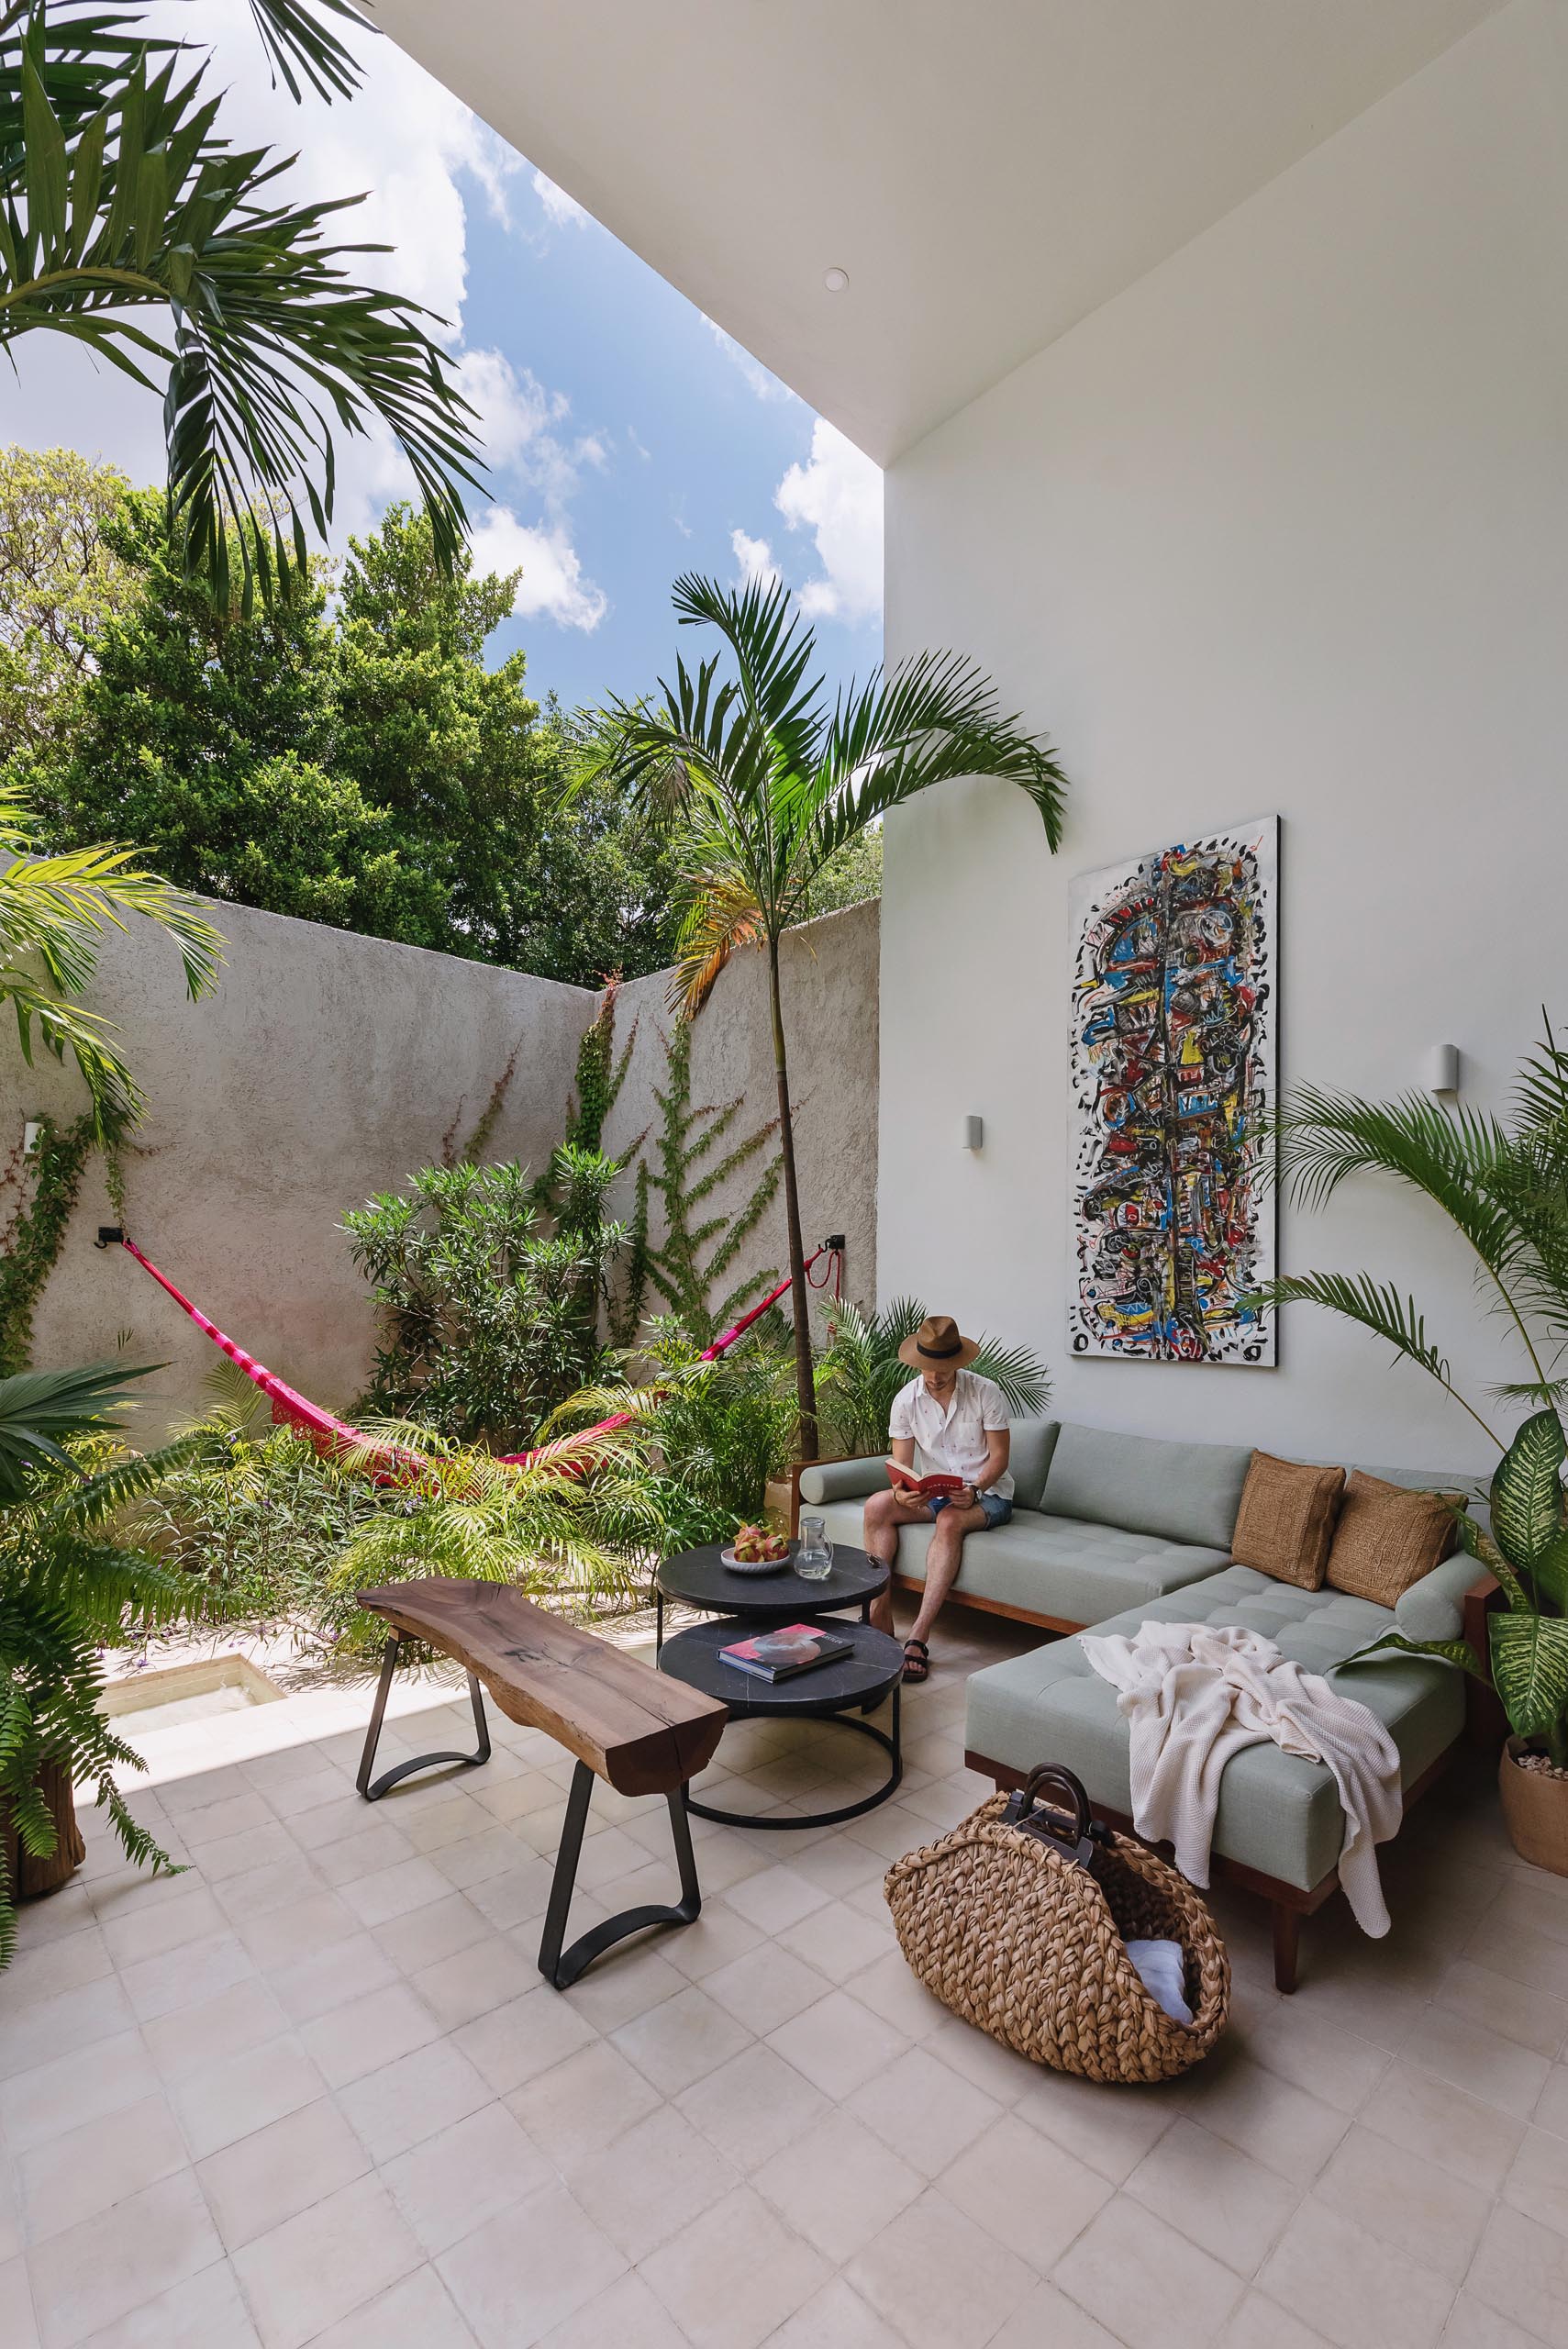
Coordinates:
(1080, 1838)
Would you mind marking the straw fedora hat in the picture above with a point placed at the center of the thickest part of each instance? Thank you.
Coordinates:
(936, 1345)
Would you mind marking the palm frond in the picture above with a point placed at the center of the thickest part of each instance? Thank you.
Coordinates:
(299, 47)
(1375, 1305)
(41, 1410)
(934, 719)
(120, 200)
(773, 648)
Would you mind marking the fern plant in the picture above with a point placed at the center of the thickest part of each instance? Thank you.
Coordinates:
(71, 1586)
(859, 1373)
(574, 1520)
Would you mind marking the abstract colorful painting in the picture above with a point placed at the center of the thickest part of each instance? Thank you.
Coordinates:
(1173, 1065)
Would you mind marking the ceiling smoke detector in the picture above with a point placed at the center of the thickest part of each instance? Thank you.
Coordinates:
(835, 280)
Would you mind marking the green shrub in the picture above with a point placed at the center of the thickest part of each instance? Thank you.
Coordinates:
(487, 1324)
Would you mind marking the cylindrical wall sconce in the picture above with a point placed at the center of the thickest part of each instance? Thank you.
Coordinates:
(1441, 1073)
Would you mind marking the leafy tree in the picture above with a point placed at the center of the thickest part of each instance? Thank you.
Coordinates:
(762, 783)
(59, 581)
(202, 733)
(361, 768)
(122, 206)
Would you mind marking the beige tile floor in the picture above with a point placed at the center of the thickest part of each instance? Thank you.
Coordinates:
(312, 2090)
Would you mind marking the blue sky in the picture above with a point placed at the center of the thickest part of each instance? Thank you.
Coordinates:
(628, 439)
(689, 441)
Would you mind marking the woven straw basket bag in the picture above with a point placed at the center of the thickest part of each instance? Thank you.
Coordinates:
(1021, 1924)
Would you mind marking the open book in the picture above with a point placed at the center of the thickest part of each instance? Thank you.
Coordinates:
(929, 1488)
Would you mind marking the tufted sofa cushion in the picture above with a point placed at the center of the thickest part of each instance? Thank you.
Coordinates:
(1051, 1565)
(1184, 1492)
(1277, 1813)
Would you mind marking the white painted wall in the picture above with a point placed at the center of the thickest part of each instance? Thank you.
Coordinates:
(1285, 525)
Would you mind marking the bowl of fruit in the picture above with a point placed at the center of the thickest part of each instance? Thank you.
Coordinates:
(756, 1550)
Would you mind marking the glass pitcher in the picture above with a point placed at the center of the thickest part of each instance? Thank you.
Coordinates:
(814, 1560)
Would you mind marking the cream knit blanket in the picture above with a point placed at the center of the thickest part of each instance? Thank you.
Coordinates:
(1194, 1694)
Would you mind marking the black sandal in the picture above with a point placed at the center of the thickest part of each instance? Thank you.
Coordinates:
(916, 1662)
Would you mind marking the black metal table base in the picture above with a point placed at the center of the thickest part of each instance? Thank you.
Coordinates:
(891, 1746)
(561, 1967)
(372, 1788)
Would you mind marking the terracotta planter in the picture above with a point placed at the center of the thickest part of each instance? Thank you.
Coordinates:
(1535, 1810)
(29, 1876)
(781, 1497)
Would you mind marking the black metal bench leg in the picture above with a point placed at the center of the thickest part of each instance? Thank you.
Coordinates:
(373, 1789)
(562, 1968)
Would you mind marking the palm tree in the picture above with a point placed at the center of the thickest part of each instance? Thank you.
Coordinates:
(53, 912)
(763, 782)
(860, 1371)
(1502, 1185)
(120, 198)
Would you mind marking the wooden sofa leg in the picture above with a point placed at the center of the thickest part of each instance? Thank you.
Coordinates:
(1287, 1946)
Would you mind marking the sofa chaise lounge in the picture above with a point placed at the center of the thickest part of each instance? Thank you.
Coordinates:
(1110, 1531)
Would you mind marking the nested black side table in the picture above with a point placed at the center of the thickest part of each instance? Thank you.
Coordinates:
(701, 1579)
(842, 1691)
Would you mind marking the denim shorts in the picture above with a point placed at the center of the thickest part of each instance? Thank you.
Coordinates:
(997, 1509)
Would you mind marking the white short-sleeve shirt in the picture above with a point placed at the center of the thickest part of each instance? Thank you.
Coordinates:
(950, 1439)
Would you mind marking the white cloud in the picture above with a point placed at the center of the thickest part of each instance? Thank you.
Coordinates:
(837, 495)
(515, 409)
(766, 385)
(562, 211)
(754, 561)
(552, 586)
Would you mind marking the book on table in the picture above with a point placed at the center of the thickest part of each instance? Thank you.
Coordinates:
(926, 1489)
(779, 1655)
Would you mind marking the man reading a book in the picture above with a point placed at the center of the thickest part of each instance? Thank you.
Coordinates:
(949, 1469)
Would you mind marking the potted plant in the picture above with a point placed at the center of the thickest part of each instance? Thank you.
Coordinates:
(1504, 1187)
(71, 1586)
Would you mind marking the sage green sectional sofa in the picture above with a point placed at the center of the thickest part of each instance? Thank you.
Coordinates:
(1110, 1531)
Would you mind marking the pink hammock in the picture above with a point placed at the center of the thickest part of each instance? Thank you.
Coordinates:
(387, 1462)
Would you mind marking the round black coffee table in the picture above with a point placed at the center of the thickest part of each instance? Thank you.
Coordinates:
(843, 1691)
(701, 1579)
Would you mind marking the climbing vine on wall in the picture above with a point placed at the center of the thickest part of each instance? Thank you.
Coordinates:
(685, 1174)
(31, 1249)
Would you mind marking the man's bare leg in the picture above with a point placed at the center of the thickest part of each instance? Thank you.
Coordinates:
(885, 1513)
(943, 1560)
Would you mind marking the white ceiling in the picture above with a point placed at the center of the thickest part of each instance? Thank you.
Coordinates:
(989, 172)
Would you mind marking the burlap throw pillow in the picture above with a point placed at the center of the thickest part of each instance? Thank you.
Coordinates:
(1387, 1538)
(1285, 1522)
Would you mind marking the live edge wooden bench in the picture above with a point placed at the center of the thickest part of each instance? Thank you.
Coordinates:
(627, 1724)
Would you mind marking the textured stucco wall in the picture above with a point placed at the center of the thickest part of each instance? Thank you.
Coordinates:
(830, 987)
(324, 1067)
(328, 1067)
